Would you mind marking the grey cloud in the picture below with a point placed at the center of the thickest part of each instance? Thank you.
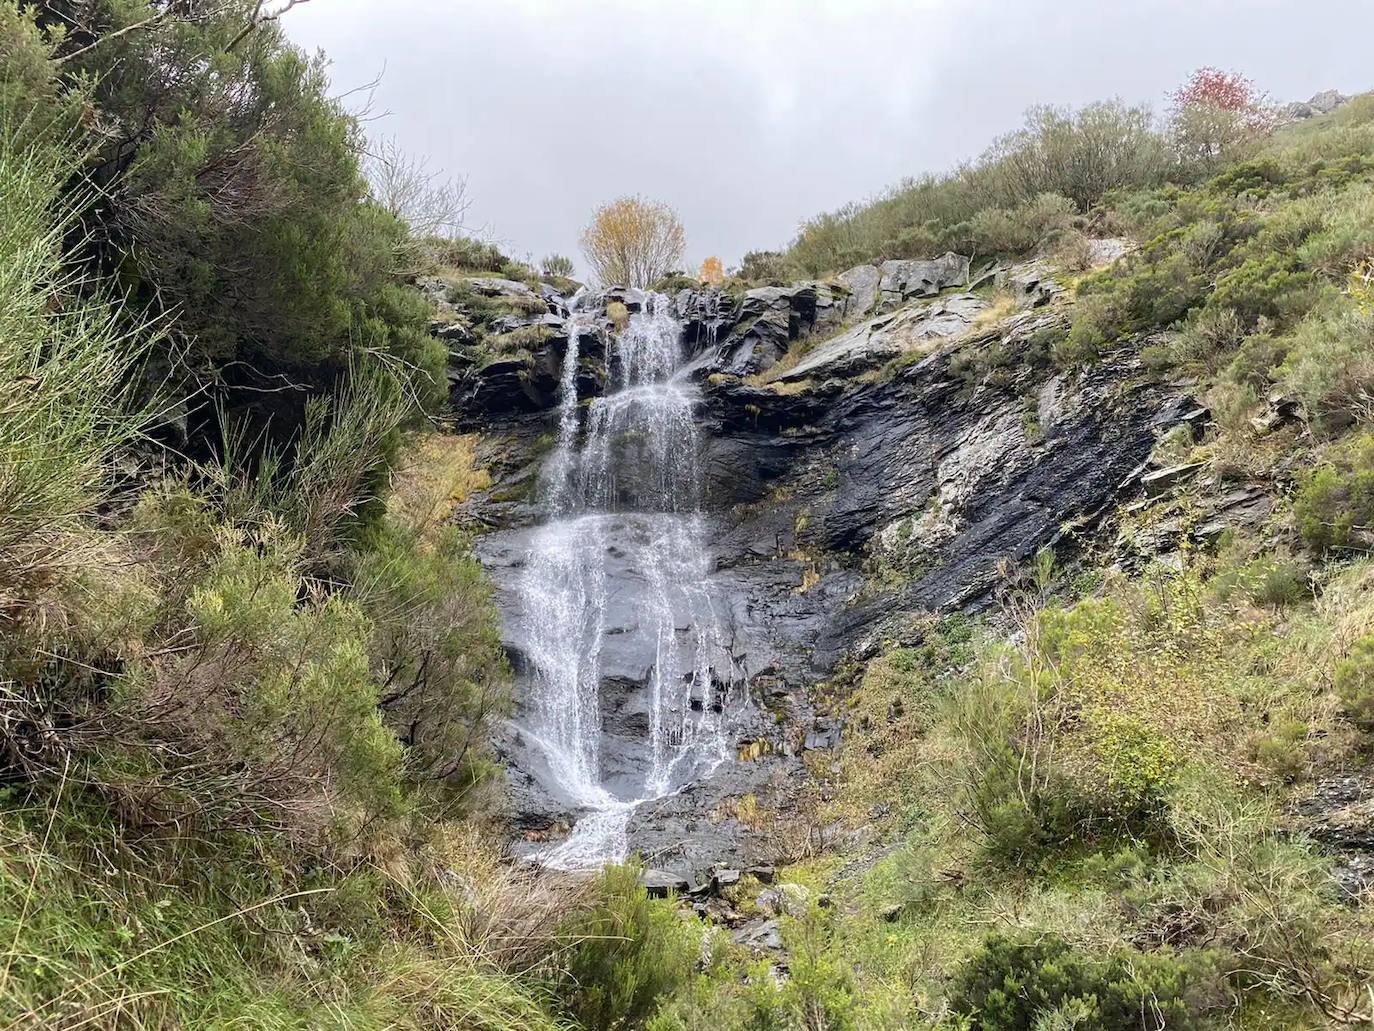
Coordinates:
(748, 117)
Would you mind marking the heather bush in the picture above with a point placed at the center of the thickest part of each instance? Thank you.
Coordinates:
(237, 212)
(1334, 508)
(628, 953)
(763, 267)
(1014, 981)
(1330, 366)
(558, 265)
(1354, 683)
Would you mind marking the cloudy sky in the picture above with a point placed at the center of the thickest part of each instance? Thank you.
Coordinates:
(750, 115)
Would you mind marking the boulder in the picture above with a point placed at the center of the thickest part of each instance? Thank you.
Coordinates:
(787, 899)
(661, 883)
(901, 280)
(1162, 480)
(1322, 103)
(771, 318)
(1108, 250)
(1031, 284)
(765, 936)
(874, 342)
(495, 286)
(723, 878)
(861, 282)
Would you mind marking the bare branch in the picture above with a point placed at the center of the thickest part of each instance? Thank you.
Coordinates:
(427, 203)
(260, 17)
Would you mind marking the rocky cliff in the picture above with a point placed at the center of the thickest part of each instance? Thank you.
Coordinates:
(881, 446)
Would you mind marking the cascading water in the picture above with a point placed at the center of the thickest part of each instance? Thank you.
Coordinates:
(624, 489)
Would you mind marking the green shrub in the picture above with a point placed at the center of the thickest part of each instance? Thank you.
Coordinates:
(1335, 505)
(1269, 286)
(1354, 683)
(994, 203)
(820, 990)
(300, 705)
(1257, 360)
(1208, 338)
(1096, 321)
(558, 265)
(735, 997)
(1346, 236)
(1011, 982)
(627, 954)
(1330, 366)
(1078, 154)
(69, 369)
(1272, 580)
(466, 254)
(1014, 802)
(436, 646)
(238, 207)
(764, 267)
(1015, 230)
(1281, 752)
(673, 282)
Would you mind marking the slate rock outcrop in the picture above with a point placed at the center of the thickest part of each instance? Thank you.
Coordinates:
(872, 484)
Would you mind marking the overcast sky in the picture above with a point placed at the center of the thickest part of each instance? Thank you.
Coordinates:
(749, 115)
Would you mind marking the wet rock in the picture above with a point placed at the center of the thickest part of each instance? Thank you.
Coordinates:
(767, 322)
(787, 899)
(661, 883)
(495, 286)
(805, 494)
(723, 878)
(1339, 814)
(824, 733)
(548, 321)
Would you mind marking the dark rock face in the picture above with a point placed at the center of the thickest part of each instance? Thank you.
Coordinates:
(739, 337)
(840, 513)
(917, 476)
(1339, 814)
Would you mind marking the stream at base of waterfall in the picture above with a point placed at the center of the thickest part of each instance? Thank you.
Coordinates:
(622, 485)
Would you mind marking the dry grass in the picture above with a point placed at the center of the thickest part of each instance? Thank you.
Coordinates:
(439, 473)
(1003, 306)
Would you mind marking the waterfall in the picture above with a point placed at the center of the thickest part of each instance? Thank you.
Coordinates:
(624, 489)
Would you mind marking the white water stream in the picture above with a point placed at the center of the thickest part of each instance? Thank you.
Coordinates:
(624, 486)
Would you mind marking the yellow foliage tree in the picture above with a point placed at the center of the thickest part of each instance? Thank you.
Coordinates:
(633, 242)
(712, 271)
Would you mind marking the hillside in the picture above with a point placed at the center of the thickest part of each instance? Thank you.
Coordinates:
(961, 619)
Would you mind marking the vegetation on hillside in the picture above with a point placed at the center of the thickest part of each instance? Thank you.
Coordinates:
(245, 692)
(1088, 807)
(1036, 186)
